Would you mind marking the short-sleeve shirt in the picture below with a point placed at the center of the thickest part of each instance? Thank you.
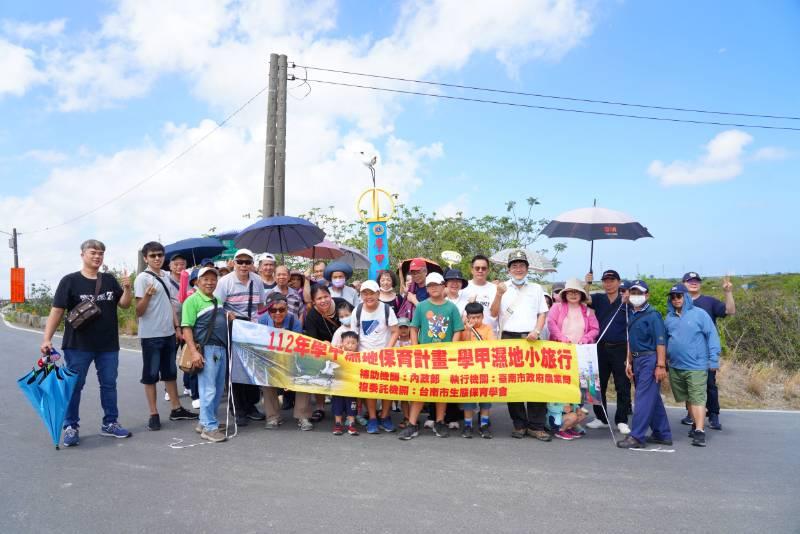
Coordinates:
(715, 308)
(102, 334)
(646, 330)
(346, 293)
(484, 295)
(196, 313)
(436, 323)
(605, 311)
(174, 288)
(237, 297)
(374, 332)
(460, 302)
(520, 307)
(157, 320)
(294, 300)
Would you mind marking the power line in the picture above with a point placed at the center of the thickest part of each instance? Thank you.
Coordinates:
(551, 108)
(153, 174)
(556, 97)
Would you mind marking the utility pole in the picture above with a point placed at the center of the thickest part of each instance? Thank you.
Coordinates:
(280, 140)
(15, 246)
(268, 205)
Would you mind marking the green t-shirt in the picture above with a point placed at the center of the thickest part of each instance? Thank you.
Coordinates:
(436, 323)
(196, 313)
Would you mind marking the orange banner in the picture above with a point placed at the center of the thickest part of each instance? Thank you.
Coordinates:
(17, 285)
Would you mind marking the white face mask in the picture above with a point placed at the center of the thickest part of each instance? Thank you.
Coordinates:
(637, 300)
(518, 281)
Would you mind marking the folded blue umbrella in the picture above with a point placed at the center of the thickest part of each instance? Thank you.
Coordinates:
(49, 391)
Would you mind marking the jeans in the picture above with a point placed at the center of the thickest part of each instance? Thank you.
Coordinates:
(712, 403)
(650, 412)
(611, 358)
(106, 364)
(211, 382)
(533, 417)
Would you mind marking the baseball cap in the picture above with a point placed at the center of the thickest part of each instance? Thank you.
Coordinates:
(417, 264)
(205, 270)
(370, 285)
(434, 278)
(266, 257)
(691, 275)
(517, 255)
(678, 288)
(206, 261)
(275, 296)
(640, 285)
(625, 284)
(244, 252)
(403, 321)
(610, 273)
(177, 255)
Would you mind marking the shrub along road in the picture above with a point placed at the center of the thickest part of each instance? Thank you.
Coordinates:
(746, 480)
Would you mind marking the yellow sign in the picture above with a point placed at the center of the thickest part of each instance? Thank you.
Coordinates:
(481, 371)
(375, 205)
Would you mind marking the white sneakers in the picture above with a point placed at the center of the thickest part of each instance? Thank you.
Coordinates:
(196, 404)
(453, 425)
(623, 428)
(596, 423)
(428, 424)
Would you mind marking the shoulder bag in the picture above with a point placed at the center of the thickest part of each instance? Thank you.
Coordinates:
(86, 311)
(184, 359)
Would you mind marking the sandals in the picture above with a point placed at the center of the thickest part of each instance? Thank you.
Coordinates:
(317, 416)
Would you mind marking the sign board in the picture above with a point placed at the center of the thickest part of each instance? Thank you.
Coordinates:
(17, 285)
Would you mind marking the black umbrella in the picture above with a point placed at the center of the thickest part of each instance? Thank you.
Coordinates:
(280, 235)
(595, 223)
(195, 248)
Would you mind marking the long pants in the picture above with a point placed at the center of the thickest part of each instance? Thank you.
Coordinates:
(211, 383)
(650, 412)
(611, 359)
(245, 398)
(302, 404)
(531, 416)
(343, 406)
(712, 402)
(106, 364)
(190, 383)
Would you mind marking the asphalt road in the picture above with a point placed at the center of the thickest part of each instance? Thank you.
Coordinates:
(746, 480)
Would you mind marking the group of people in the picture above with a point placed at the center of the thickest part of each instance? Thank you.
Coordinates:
(418, 305)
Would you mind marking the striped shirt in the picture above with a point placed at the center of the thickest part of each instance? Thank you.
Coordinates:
(236, 296)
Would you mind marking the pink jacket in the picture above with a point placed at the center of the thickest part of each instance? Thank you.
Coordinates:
(556, 316)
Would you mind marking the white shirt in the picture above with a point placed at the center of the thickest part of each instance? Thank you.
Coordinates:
(347, 293)
(520, 307)
(460, 302)
(374, 333)
(483, 295)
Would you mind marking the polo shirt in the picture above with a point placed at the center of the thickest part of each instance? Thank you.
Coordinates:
(196, 313)
(715, 308)
(646, 329)
(604, 310)
(520, 307)
(235, 296)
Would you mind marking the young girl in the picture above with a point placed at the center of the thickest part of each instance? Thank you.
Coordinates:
(344, 310)
(345, 406)
(562, 420)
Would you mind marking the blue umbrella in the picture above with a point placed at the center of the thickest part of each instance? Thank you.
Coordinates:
(230, 234)
(280, 235)
(49, 390)
(195, 248)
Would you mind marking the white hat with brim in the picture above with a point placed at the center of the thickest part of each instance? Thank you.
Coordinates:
(244, 252)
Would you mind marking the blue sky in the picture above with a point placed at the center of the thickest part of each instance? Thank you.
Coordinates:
(108, 99)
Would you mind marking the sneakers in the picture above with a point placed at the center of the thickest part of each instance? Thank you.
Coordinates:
(199, 428)
(713, 421)
(429, 424)
(518, 433)
(256, 415)
(630, 443)
(351, 429)
(71, 438)
(467, 432)
(372, 426)
(241, 420)
(574, 433)
(361, 420)
(596, 423)
(409, 432)
(113, 430)
(657, 440)
(541, 435)
(624, 429)
(453, 425)
(699, 438)
(181, 414)
(317, 416)
(440, 430)
(386, 424)
(305, 425)
(396, 407)
(187, 392)
(214, 436)
(338, 429)
(565, 435)
(486, 432)
(273, 423)
(687, 420)
(196, 404)
(154, 423)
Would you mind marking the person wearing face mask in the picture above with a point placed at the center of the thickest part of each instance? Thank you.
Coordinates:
(647, 367)
(521, 310)
(337, 274)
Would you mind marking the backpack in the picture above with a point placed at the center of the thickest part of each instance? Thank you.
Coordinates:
(358, 315)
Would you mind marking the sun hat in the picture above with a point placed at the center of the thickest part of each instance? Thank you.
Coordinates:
(455, 274)
(574, 284)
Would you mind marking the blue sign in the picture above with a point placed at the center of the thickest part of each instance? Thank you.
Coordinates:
(377, 248)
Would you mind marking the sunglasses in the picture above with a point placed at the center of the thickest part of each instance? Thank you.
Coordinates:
(244, 262)
(480, 268)
(156, 255)
(676, 296)
(278, 310)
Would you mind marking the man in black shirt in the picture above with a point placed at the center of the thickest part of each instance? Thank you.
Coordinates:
(96, 341)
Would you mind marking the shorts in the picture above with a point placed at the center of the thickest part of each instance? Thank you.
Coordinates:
(476, 406)
(158, 359)
(689, 385)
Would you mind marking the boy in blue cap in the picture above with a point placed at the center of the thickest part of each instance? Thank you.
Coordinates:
(647, 367)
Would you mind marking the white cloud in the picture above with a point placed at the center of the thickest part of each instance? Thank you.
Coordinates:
(46, 156)
(18, 69)
(25, 31)
(722, 161)
(771, 153)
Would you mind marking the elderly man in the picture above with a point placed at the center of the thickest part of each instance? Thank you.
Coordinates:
(242, 293)
(266, 270)
(294, 298)
(716, 310)
(521, 309)
(693, 352)
(647, 367)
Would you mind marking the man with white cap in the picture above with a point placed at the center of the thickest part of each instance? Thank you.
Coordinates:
(242, 293)
(521, 309)
(266, 270)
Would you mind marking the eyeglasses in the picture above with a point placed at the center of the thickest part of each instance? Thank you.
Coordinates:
(244, 262)
(676, 296)
(156, 255)
(278, 310)
(480, 268)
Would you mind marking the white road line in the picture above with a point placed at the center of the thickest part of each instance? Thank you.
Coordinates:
(32, 331)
